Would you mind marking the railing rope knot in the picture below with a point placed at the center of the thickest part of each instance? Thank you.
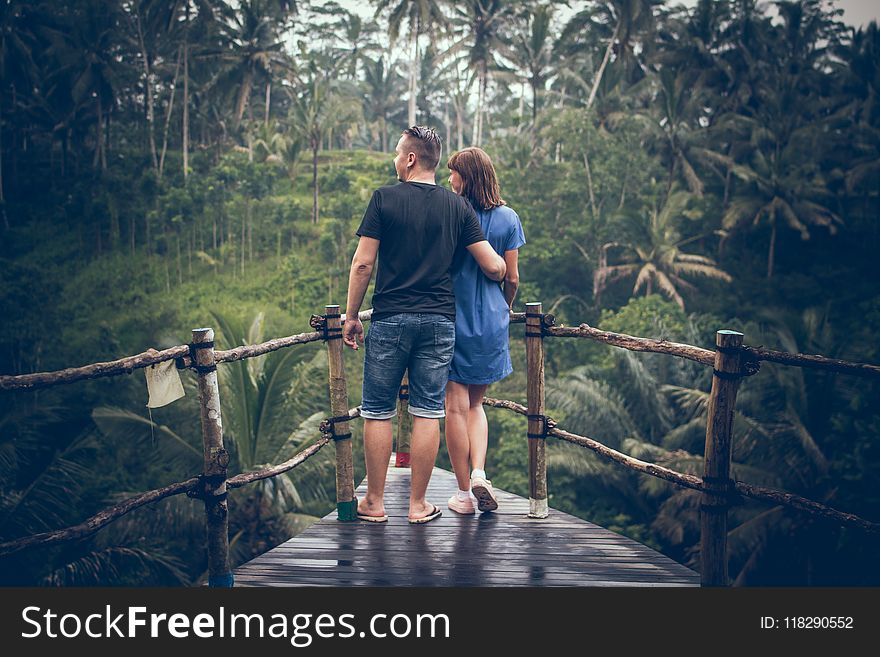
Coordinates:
(547, 321)
(200, 490)
(547, 423)
(328, 427)
(749, 365)
(193, 347)
(724, 490)
(320, 323)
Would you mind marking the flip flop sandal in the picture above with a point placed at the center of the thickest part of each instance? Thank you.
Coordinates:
(365, 517)
(435, 513)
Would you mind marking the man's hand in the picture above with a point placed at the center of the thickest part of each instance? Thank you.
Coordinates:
(353, 332)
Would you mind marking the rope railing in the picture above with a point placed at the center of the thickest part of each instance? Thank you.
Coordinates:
(189, 486)
(691, 481)
(181, 353)
(731, 361)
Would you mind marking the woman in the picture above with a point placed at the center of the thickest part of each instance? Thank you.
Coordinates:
(482, 308)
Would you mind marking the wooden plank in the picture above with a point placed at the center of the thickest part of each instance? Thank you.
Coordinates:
(505, 548)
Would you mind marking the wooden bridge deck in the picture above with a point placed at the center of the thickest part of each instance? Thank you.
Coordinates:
(504, 548)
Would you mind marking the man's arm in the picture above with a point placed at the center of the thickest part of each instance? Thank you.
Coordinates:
(491, 263)
(358, 281)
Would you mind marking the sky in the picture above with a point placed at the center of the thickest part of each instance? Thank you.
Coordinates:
(855, 12)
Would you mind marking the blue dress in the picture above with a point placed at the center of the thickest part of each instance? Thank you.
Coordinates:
(482, 350)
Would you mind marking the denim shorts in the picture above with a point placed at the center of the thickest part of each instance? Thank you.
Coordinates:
(423, 343)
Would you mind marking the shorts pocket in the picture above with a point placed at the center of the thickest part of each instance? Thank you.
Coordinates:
(383, 339)
(444, 336)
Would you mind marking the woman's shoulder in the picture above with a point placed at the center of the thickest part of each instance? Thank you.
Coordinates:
(505, 212)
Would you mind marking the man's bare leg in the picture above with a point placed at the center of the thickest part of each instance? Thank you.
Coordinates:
(423, 453)
(377, 453)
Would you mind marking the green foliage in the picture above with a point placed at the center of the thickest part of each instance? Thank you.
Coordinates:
(769, 123)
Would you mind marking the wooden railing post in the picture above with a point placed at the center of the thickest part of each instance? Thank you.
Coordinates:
(538, 507)
(346, 504)
(213, 489)
(404, 424)
(716, 473)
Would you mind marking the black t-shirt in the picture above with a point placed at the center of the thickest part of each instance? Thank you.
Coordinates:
(422, 229)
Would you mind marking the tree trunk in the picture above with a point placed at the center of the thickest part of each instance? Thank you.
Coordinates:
(2, 197)
(168, 113)
(186, 96)
(446, 123)
(247, 211)
(590, 187)
(268, 102)
(107, 143)
(413, 74)
(147, 234)
(534, 85)
(179, 266)
(150, 102)
(772, 251)
(602, 66)
(315, 144)
(478, 116)
(243, 96)
(99, 138)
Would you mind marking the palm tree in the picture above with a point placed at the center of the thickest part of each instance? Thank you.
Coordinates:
(255, 48)
(782, 185)
(483, 22)
(271, 410)
(382, 86)
(777, 137)
(531, 49)
(316, 110)
(89, 57)
(17, 67)
(861, 156)
(421, 17)
(681, 139)
(629, 18)
(655, 255)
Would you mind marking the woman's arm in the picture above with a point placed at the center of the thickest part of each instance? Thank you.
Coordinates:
(511, 278)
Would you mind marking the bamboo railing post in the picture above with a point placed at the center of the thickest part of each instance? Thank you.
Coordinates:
(537, 431)
(346, 503)
(716, 474)
(404, 425)
(213, 489)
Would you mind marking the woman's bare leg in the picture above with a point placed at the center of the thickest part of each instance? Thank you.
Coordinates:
(457, 441)
(477, 426)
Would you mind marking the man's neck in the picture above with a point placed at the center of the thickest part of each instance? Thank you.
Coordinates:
(429, 178)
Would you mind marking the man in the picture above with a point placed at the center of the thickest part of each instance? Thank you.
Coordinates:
(417, 229)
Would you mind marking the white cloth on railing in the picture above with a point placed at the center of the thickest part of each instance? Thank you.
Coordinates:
(163, 384)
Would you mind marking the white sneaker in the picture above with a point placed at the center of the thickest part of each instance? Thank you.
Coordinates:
(464, 507)
(482, 490)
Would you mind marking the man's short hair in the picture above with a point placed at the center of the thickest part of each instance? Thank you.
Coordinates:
(425, 143)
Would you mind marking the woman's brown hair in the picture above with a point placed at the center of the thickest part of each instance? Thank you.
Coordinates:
(479, 183)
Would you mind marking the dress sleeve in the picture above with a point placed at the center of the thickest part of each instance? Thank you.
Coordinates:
(371, 224)
(516, 238)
